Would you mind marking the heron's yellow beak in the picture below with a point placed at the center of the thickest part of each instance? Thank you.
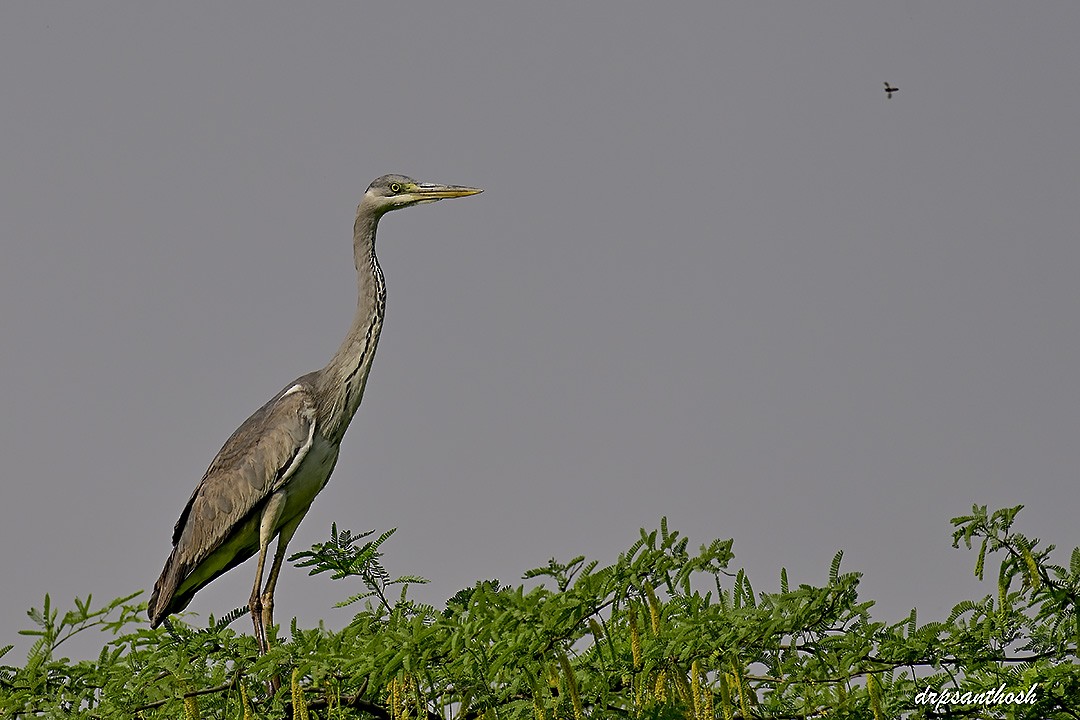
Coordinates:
(430, 191)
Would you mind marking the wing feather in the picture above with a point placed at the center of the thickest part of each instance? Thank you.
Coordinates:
(252, 464)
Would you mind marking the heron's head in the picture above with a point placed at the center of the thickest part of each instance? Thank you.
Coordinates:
(392, 192)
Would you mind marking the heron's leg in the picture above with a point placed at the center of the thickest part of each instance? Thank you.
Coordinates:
(286, 535)
(255, 604)
(270, 514)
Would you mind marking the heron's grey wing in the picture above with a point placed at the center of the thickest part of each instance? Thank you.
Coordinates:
(259, 457)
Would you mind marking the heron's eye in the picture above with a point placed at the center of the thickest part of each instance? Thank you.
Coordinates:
(395, 187)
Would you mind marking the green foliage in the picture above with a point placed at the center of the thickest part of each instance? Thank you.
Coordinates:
(343, 559)
(661, 633)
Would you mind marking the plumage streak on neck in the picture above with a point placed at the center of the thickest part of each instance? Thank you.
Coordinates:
(344, 378)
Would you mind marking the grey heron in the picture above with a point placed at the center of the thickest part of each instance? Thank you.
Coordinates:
(264, 478)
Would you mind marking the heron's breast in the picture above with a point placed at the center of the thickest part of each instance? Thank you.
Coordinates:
(310, 477)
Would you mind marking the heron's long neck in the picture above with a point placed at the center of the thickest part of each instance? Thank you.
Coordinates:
(343, 379)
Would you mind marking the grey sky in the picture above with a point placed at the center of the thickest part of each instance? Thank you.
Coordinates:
(716, 275)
